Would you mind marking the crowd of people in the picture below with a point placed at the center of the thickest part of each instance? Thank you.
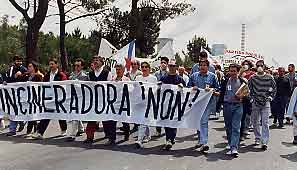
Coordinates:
(269, 94)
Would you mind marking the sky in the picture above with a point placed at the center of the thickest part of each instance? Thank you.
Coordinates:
(271, 25)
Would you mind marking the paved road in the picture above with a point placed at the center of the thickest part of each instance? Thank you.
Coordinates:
(53, 153)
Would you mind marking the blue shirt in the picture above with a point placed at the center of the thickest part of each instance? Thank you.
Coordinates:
(200, 80)
(173, 79)
(160, 74)
(197, 69)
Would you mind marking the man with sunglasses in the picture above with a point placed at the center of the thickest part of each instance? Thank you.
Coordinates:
(146, 77)
(262, 91)
(171, 78)
(77, 128)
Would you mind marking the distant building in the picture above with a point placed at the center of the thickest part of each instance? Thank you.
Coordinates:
(218, 49)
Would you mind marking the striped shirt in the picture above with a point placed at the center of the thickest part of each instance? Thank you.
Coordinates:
(262, 87)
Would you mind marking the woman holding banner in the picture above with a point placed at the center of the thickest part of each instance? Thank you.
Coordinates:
(143, 130)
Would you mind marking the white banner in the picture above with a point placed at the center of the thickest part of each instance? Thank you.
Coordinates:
(131, 102)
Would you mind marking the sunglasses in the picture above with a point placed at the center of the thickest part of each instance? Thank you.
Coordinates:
(134, 64)
(163, 63)
(145, 67)
(76, 65)
(172, 65)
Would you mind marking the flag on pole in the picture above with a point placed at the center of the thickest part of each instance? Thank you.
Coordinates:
(106, 49)
(125, 55)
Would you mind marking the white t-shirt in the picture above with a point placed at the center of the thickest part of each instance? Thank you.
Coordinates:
(148, 79)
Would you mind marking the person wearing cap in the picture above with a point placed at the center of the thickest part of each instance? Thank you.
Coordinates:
(144, 130)
(208, 81)
(262, 91)
(171, 78)
(159, 74)
(16, 73)
(100, 73)
(77, 128)
(203, 56)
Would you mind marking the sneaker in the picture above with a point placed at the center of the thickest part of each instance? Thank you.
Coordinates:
(257, 142)
(138, 144)
(229, 152)
(88, 141)
(79, 133)
(70, 139)
(204, 148)
(168, 146)
(158, 134)
(110, 143)
(10, 134)
(235, 153)
(228, 147)
(37, 136)
(28, 135)
(264, 147)
(63, 133)
(281, 126)
(198, 145)
(146, 139)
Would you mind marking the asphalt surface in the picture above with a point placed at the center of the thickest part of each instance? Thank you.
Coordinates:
(53, 153)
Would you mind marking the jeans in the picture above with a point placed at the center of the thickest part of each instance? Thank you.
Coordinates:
(76, 126)
(261, 112)
(232, 116)
(245, 119)
(203, 132)
(110, 128)
(13, 126)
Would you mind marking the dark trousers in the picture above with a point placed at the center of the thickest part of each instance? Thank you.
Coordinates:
(110, 128)
(170, 134)
(159, 129)
(247, 110)
(126, 128)
(30, 126)
(90, 130)
(279, 108)
(42, 126)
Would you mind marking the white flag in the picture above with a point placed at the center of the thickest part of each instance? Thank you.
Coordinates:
(106, 49)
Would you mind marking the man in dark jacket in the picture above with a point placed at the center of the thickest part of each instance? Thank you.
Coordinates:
(100, 73)
(280, 101)
(53, 75)
(16, 73)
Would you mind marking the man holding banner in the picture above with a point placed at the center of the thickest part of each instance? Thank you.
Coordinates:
(207, 80)
(120, 69)
(171, 78)
(53, 75)
(99, 74)
(77, 127)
